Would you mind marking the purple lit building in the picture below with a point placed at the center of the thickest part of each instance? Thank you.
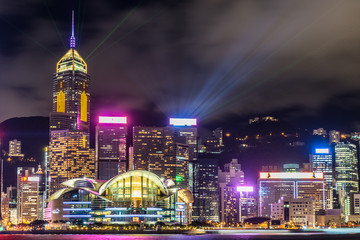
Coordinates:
(110, 148)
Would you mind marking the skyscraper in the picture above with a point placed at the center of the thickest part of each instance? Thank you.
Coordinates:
(321, 161)
(185, 130)
(71, 92)
(110, 148)
(156, 149)
(149, 143)
(230, 200)
(346, 174)
(208, 202)
(69, 152)
(70, 157)
(27, 195)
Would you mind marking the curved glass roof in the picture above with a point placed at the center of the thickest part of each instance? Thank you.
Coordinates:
(59, 193)
(80, 182)
(151, 176)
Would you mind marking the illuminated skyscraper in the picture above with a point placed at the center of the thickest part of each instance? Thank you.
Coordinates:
(69, 152)
(71, 92)
(321, 161)
(71, 157)
(156, 149)
(208, 202)
(346, 174)
(149, 143)
(111, 135)
(229, 179)
(185, 130)
(27, 195)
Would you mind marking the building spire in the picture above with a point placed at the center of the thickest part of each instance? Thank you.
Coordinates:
(72, 38)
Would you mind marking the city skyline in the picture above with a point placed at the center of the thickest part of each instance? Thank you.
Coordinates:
(146, 127)
(186, 58)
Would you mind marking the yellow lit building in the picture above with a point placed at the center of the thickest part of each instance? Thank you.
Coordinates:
(71, 92)
(69, 152)
(71, 157)
(158, 150)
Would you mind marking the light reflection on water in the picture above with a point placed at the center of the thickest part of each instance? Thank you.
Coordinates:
(240, 236)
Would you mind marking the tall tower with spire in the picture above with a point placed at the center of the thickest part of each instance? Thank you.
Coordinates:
(71, 91)
(70, 155)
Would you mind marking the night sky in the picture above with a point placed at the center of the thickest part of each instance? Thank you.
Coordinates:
(216, 60)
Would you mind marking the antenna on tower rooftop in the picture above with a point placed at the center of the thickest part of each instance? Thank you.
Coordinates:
(72, 38)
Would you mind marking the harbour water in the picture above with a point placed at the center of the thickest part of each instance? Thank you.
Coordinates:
(229, 236)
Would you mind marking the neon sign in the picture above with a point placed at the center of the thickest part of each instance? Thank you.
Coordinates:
(291, 175)
(116, 120)
(183, 121)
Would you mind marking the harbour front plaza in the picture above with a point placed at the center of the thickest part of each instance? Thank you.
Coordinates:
(134, 196)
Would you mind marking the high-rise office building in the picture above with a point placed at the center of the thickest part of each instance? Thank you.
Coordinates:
(186, 128)
(321, 161)
(346, 174)
(27, 195)
(156, 149)
(248, 202)
(15, 148)
(71, 92)
(70, 157)
(69, 152)
(208, 201)
(110, 147)
(229, 203)
(274, 185)
(230, 200)
(148, 143)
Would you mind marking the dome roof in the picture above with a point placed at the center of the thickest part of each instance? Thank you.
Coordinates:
(153, 177)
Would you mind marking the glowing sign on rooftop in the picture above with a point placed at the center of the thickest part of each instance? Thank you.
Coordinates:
(245, 189)
(30, 179)
(116, 120)
(183, 121)
(322, 150)
(291, 175)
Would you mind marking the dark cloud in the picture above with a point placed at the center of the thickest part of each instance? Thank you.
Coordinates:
(207, 58)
